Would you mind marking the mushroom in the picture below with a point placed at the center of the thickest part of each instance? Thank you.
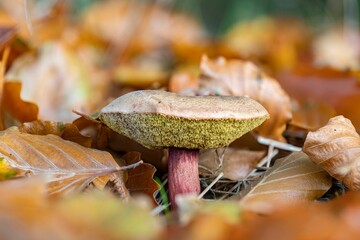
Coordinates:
(183, 124)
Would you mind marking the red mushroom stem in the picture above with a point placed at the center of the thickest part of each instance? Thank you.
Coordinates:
(183, 173)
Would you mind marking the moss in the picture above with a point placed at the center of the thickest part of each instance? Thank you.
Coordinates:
(157, 131)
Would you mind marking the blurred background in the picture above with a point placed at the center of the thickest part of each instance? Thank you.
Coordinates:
(81, 54)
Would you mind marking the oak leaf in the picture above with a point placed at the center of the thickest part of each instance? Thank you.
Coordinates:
(239, 78)
(293, 178)
(336, 148)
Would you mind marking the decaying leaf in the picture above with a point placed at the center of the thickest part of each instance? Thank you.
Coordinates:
(18, 109)
(6, 171)
(184, 79)
(67, 131)
(234, 163)
(55, 79)
(311, 115)
(346, 53)
(27, 213)
(293, 178)
(238, 78)
(336, 219)
(140, 180)
(12, 108)
(69, 166)
(336, 148)
(338, 88)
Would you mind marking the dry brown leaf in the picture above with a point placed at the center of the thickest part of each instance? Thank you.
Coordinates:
(238, 78)
(339, 89)
(336, 219)
(184, 79)
(105, 138)
(140, 180)
(18, 109)
(311, 115)
(56, 80)
(28, 213)
(69, 166)
(140, 75)
(141, 26)
(293, 178)
(234, 163)
(336, 148)
(67, 131)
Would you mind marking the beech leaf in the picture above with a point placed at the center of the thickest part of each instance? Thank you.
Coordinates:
(140, 180)
(336, 148)
(240, 78)
(69, 165)
(293, 178)
(235, 164)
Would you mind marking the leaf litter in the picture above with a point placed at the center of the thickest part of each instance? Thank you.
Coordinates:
(64, 65)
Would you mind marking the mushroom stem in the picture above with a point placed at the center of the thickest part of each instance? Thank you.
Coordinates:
(183, 173)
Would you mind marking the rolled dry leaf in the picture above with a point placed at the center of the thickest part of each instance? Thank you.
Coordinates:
(336, 148)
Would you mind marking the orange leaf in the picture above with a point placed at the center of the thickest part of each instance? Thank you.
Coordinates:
(15, 106)
(140, 179)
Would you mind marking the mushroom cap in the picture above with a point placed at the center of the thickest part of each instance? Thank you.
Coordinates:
(158, 119)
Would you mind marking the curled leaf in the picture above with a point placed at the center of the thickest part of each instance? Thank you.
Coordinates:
(336, 148)
(240, 78)
(140, 180)
(293, 178)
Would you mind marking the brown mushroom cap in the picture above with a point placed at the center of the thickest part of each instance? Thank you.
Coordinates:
(158, 119)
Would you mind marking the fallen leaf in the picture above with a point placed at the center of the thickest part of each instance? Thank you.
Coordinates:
(69, 166)
(19, 109)
(67, 131)
(27, 213)
(6, 171)
(184, 79)
(293, 178)
(104, 138)
(336, 148)
(240, 78)
(346, 53)
(55, 79)
(309, 83)
(140, 75)
(235, 163)
(140, 180)
(12, 108)
(134, 27)
(336, 219)
(280, 42)
(311, 115)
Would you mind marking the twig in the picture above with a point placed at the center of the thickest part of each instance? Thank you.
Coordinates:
(277, 144)
(159, 209)
(211, 184)
(131, 166)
